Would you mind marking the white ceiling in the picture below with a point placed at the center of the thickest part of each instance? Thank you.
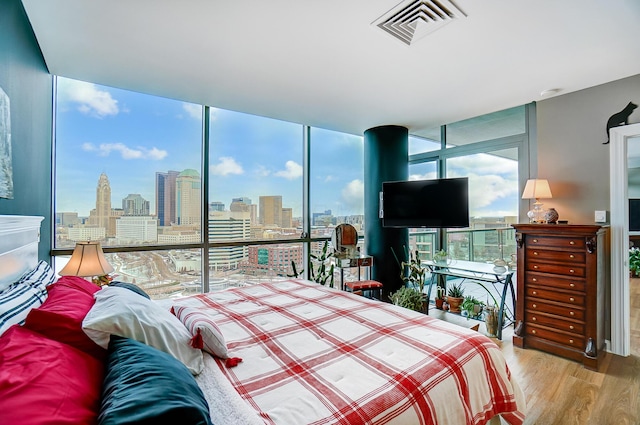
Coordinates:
(322, 63)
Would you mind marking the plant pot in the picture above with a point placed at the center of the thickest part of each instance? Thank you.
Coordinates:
(454, 304)
(439, 302)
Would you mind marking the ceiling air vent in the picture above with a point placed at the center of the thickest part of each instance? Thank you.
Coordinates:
(411, 20)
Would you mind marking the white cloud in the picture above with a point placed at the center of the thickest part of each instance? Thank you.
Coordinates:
(87, 97)
(329, 178)
(225, 166)
(484, 190)
(193, 110)
(105, 149)
(353, 195)
(292, 171)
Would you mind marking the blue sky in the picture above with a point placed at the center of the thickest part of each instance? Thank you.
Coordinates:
(129, 136)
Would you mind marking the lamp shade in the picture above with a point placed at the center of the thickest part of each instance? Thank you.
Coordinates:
(536, 189)
(87, 260)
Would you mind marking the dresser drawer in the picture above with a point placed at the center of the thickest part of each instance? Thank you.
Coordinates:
(550, 295)
(568, 283)
(568, 269)
(533, 241)
(571, 312)
(575, 257)
(570, 340)
(559, 323)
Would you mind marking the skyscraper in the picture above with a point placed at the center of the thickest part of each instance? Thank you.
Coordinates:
(166, 197)
(188, 197)
(271, 210)
(103, 203)
(135, 205)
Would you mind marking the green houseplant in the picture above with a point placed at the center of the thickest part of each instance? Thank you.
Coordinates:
(412, 273)
(472, 306)
(634, 262)
(455, 296)
(408, 298)
(320, 269)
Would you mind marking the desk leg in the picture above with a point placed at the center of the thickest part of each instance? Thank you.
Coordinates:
(342, 278)
(507, 284)
(429, 291)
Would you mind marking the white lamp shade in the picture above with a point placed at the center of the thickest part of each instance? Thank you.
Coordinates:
(87, 260)
(536, 189)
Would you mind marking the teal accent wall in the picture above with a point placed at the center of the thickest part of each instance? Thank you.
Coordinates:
(386, 154)
(26, 80)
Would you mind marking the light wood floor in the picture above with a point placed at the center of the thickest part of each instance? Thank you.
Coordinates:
(560, 391)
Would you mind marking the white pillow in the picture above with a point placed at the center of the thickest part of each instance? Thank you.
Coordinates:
(119, 311)
(195, 320)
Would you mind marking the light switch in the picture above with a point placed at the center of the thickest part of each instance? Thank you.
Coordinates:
(601, 216)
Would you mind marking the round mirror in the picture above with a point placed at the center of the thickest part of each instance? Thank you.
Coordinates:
(345, 240)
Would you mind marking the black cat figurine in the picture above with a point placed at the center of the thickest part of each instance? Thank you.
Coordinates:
(620, 118)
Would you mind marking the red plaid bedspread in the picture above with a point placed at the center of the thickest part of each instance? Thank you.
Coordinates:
(314, 355)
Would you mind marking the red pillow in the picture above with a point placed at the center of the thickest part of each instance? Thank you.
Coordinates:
(45, 381)
(60, 316)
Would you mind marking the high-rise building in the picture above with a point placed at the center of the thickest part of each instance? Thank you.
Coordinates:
(166, 197)
(135, 205)
(216, 206)
(271, 210)
(228, 226)
(100, 216)
(136, 229)
(188, 197)
(287, 218)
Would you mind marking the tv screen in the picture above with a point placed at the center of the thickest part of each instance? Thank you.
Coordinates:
(435, 203)
(634, 215)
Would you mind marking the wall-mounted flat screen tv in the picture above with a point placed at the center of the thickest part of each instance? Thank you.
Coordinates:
(438, 203)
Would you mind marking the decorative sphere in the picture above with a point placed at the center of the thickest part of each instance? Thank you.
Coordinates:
(551, 215)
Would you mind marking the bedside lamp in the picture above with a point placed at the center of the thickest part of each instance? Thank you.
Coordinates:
(536, 189)
(88, 260)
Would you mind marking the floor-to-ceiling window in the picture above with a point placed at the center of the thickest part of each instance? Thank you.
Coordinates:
(492, 151)
(129, 172)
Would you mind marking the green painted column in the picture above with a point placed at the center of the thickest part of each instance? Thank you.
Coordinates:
(386, 153)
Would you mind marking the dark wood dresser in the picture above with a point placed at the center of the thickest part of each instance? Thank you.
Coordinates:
(561, 278)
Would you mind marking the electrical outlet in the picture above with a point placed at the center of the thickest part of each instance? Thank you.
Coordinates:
(600, 216)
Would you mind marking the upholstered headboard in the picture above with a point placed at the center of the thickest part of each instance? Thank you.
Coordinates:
(19, 238)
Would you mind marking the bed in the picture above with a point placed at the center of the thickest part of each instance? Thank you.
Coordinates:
(288, 352)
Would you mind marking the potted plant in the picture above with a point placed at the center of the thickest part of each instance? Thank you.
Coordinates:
(408, 297)
(321, 272)
(441, 256)
(439, 297)
(471, 307)
(634, 262)
(455, 296)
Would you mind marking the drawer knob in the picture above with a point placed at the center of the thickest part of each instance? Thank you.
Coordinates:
(571, 271)
(534, 306)
(570, 341)
(533, 331)
(572, 243)
(535, 252)
(535, 292)
(534, 318)
(572, 285)
(572, 256)
(534, 280)
(571, 299)
(535, 267)
(571, 327)
(571, 313)
(535, 241)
